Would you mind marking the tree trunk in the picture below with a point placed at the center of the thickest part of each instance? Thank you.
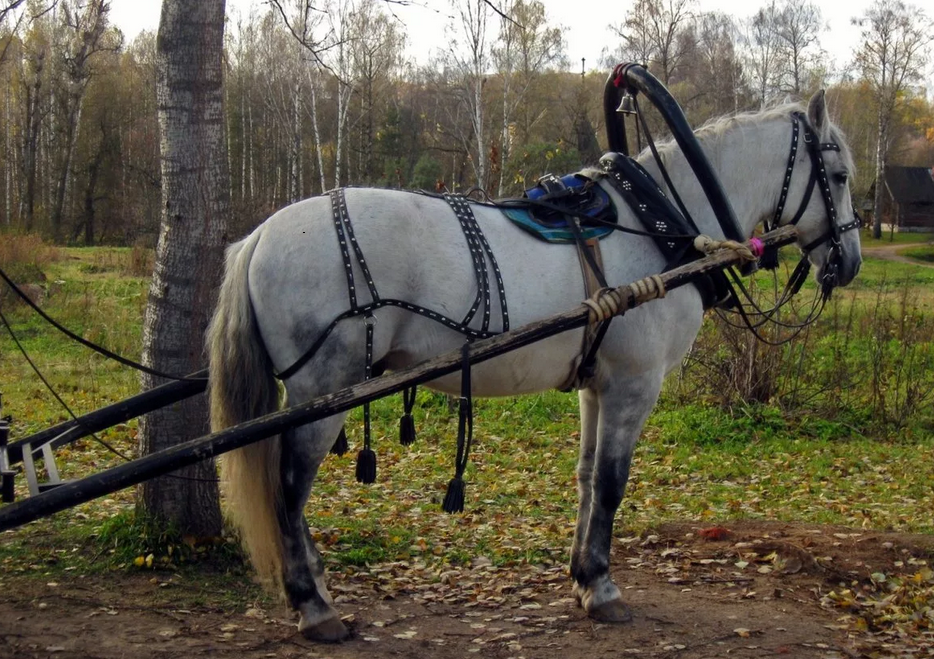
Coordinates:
(30, 152)
(316, 133)
(9, 163)
(343, 104)
(295, 152)
(195, 206)
(72, 125)
(880, 179)
(90, 193)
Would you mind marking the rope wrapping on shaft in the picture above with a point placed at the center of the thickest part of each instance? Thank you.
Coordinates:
(609, 302)
(707, 245)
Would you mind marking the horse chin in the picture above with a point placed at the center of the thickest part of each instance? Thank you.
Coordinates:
(836, 274)
(847, 270)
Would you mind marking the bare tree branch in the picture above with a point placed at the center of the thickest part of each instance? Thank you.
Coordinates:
(7, 7)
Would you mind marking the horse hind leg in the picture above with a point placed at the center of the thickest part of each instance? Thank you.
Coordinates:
(303, 449)
(589, 412)
(623, 410)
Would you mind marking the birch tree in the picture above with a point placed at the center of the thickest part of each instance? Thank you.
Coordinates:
(468, 57)
(763, 56)
(798, 29)
(896, 39)
(525, 48)
(195, 206)
(376, 52)
(85, 28)
(34, 78)
(654, 30)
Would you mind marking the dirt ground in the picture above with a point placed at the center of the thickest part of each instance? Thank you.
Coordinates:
(754, 592)
(890, 253)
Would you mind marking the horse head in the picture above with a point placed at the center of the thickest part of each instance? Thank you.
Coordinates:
(826, 218)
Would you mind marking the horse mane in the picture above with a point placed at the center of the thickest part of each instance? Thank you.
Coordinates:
(716, 129)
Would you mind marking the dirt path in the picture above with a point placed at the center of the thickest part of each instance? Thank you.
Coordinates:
(890, 253)
(754, 593)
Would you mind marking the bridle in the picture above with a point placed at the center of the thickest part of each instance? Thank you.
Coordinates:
(817, 178)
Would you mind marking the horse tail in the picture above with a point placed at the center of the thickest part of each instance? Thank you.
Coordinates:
(242, 387)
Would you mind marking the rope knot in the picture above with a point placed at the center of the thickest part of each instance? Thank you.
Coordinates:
(707, 245)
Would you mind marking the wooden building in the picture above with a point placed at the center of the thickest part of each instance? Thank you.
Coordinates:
(909, 202)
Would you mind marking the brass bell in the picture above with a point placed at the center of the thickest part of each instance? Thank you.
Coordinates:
(627, 105)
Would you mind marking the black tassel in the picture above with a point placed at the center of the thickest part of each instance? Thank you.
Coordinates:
(340, 444)
(366, 466)
(407, 430)
(407, 423)
(454, 499)
(366, 458)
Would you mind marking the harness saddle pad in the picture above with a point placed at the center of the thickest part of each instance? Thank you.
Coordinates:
(561, 199)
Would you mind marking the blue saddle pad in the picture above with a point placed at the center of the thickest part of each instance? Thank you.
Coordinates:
(570, 193)
(522, 218)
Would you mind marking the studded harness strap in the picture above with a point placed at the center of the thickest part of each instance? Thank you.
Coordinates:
(350, 250)
(817, 178)
(480, 251)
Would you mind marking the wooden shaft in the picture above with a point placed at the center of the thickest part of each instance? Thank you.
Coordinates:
(109, 416)
(195, 450)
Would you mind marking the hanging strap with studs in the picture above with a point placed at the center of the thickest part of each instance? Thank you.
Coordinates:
(454, 498)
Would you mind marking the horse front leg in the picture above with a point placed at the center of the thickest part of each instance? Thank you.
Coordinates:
(303, 449)
(603, 473)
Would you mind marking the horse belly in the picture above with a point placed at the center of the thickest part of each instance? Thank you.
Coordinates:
(545, 365)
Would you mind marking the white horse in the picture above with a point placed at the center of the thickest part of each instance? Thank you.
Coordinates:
(286, 282)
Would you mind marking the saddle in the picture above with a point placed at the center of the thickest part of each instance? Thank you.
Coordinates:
(551, 204)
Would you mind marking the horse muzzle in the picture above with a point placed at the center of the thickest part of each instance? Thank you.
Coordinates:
(838, 269)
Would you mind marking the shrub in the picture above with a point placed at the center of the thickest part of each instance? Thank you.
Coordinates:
(868, 360)
(22, 258)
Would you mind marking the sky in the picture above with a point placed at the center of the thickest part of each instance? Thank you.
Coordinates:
(586, 22)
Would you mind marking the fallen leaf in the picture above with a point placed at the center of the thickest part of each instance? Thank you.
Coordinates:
(714, 533)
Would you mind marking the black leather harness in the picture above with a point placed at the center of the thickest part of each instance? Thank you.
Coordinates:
(480, 254)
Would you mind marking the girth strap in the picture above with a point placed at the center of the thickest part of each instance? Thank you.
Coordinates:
(591, 262)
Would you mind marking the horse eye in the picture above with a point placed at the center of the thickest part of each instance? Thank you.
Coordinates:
(840, 178)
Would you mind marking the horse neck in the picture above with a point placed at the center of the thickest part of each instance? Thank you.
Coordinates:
(749, 159)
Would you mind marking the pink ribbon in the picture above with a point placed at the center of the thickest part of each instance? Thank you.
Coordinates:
(757, 247)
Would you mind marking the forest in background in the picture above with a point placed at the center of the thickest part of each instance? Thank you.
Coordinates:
(322, 94)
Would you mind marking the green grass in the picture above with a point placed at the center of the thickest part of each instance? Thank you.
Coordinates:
(698, 460)
(898, 238)
(922, 253)
(105, 307)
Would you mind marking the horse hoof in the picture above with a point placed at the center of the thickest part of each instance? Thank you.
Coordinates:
(331, 630)
(613, 611)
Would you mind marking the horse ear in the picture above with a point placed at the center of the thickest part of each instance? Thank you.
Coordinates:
(817, 111)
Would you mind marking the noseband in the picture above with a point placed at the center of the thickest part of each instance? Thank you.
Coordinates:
(818, 177)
